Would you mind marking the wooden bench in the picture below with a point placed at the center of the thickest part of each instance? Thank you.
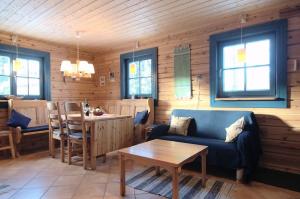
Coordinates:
(36, 110)
(129, 107)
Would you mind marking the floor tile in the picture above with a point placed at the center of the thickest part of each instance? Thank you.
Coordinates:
(113, 190)
(32, 193)
(63, 192)
(95, 179)
(68, 180)
(41, 181)
(90, 191)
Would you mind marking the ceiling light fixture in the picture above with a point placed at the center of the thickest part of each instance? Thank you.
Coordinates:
(241, 53)
(80, 69)
(17, 65)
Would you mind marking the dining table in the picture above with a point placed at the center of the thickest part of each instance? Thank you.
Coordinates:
(108, 132)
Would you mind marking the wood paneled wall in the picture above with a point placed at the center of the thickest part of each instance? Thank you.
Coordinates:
(60, 90)
(280, 128)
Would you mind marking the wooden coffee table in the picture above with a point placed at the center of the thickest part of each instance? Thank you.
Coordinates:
(169, 155)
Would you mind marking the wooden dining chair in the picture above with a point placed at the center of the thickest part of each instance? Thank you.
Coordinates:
(76, 130)
(56, 129)
(10, 146)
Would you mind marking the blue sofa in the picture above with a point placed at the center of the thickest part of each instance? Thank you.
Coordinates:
(208, 128)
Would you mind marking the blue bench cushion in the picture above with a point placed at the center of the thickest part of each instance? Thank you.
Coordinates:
(35, 128)
(219, 152)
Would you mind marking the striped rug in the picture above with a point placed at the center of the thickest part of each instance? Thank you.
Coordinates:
(190, 186)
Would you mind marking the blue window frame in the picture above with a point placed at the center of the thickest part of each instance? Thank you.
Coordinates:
(32, 81)
(260, 80)
(139, 74)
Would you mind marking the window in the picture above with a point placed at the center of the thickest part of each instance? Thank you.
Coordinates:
(138, 74)
(32, 81)
(259, 80)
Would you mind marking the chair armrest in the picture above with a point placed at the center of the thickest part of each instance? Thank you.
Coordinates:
(156, 130)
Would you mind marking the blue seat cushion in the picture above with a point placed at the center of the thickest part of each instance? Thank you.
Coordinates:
(35, 128)
(78, 135)
(220, 153)
(18, 119)
(141, 117)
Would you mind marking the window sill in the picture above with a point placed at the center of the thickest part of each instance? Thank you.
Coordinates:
(247, 99)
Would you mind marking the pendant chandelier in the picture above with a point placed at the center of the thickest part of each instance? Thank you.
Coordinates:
(241, 53)
(80, 69)
(17, 65)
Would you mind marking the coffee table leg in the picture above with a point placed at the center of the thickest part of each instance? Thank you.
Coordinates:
(175, 183)
(122, 175)
(203, 166)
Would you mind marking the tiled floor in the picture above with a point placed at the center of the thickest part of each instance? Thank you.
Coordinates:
(39, 176)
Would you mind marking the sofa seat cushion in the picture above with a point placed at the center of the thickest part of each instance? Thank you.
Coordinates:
(35, 128)
(219, 153)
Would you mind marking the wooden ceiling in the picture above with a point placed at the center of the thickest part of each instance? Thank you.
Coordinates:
(107, 23)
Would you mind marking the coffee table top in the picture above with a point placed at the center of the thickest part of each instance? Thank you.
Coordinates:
(167, 152)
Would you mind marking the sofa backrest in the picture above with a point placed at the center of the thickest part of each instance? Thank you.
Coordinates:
(212, 123)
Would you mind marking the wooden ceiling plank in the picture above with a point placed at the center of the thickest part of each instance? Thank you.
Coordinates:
(46, 25)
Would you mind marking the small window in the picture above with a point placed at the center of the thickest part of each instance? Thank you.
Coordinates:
(138, 74)
(257, 81)
(255, 76)
(32, 81)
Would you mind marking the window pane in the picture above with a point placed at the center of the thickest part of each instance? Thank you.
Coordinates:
(146, 85)
(145, 68)
(4, 85)
(34, 68)
(133, 69)
(134, 87)
(233, 80)
(4, 65)
(22, 86)
(23, 72)
(258, 53)
(34, 86)
(258, 78)
(230, 58)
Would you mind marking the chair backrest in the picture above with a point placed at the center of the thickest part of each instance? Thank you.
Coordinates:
(34, 109)
(54, 117)
(74, 117)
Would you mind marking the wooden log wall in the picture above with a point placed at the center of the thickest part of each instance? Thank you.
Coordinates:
(280, 128)
(60, 90)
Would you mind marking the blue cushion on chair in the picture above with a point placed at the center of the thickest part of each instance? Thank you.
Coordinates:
(17, 119)
(141, 117)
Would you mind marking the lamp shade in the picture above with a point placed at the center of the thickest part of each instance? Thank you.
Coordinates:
(241, 55)
(82, 66)
(65, 66)
(17, 65)
(90, 69)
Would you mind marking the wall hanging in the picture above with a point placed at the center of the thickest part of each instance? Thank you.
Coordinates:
(182, 71)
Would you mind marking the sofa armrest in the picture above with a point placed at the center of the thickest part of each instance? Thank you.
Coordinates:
(156, 130)
(248, 146)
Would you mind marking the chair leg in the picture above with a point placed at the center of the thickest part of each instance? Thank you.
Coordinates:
(50, 144)
(69, 152)
(53, 148)
(12, 146)
(62, 149)
(84, 147)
